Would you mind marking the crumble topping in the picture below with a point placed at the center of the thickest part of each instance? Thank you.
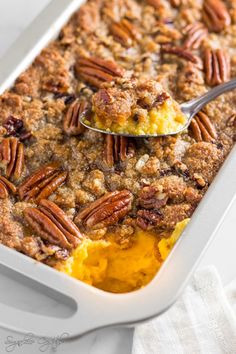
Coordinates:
(112, 57)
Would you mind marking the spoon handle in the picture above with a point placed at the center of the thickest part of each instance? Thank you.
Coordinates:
(194, 106)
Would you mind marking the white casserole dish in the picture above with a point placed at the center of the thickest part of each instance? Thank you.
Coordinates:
(95, 308)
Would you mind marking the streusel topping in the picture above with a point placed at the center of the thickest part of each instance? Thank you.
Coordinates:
(61, 183)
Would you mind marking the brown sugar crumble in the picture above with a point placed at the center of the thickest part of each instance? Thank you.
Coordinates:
(60, 182)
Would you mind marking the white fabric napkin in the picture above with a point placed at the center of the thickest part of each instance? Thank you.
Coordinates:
(202, 321)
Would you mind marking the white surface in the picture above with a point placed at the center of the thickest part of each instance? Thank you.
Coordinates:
(203, 320)
(14, 17)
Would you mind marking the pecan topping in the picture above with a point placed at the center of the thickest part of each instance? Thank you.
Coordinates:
(42, 183)
(151, 198)
(117, 148)
(216, 66)
(12, 156)
(15, 127)
(155, 3)
(215, 15)
(71, 123)
(202, 128)
(53, 225)
(106, 210)
(175, 3)
(180, 52)
(147, 219)
(195, 34)
(96, 71)
(6, 187)
(124, 32)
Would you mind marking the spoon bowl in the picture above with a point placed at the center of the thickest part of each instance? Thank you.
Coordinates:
(189, 109)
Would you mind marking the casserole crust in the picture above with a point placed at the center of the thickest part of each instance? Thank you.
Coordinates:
(62, 186)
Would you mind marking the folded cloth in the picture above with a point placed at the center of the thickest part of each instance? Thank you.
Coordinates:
(202, 321)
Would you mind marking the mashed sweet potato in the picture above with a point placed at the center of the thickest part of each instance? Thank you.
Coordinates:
(106, 266)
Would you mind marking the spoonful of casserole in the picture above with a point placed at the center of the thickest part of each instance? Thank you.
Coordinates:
(144, 109)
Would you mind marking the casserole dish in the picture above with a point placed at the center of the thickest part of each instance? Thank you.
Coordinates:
(95, 308)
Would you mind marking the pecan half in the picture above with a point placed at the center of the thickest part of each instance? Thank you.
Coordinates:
(71, 122)
(124, 32)
(202, 128)
(179, 52)
(155, 3)
(53, 225)
(117, 148)
(195, 33)
(175, 3)
(216, 66)
(147, 219)
(215, 15)
(12, 157)
(42, 183)
(96, 71)
(151, 198)
(106, 210)
(6, 187)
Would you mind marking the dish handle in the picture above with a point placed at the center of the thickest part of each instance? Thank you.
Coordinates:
(90, 314)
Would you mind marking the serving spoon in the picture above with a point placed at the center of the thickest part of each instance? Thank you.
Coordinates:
(189, 109)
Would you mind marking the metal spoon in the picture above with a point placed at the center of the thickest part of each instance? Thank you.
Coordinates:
(190, 109)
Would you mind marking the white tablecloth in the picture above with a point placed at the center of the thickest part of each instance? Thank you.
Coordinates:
(202, 321)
